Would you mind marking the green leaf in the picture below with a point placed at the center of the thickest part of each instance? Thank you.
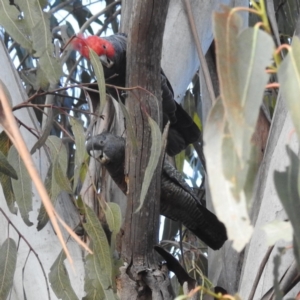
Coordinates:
(51, 67)
(6, 168)
(59, 279)
(278, 230)
(8, 260)
(16, 28)
(32, 11)
(5, 181)
(94, 290)
(58, 153)
(156, 146)
(98, 265)
(43, 217)
(289, 80)
(129, 125)
(79, 136)
(231, 212)
(61, 177)
(8, 193)
(98, 69)
(242, 58)
(287, 187)
(113, 216)
(22, 187)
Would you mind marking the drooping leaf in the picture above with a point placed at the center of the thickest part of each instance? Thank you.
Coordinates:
(231, 212)
(8, 260)
(16, 27)
(277, 230)
(46, 131)
(8, 193)
(287, 187)
(98, 69)
(38, 21)
(156, 145)
(241, 58)
(80, 153)
(59, 279)
(113, 217)
(129, 125)
(5, 181)
(98, 265)
(43, 217)
(93, 289)
(58, 154)
(6, 168)
(22, 187)
(51, 67)
(61, 177)
(289, 79)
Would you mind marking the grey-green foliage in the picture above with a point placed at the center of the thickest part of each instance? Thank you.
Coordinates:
(56, 180)
(22, 187)
(80, 153)
(59, 279)
(99, 264)
(8, 260)
(287, 187)
(242, 56)
(288, 182)
(5, 180)
(6, 168)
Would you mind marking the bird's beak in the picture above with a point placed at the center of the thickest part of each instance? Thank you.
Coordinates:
(106, 61)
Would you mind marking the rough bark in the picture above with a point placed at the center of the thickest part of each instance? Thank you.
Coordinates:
(141, 228)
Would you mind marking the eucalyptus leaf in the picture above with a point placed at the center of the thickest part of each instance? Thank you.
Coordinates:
(22, 187)
(8, 193)
(16, 27)
(242, 58)
(231, 212)
(98, 265)
(61, 177)
(5, 181)
(93, 288)
(59, 279)
(98, 69)
(113, 216)
(51, 67)
(289, 80)
(286, 184)
(6, 168)
(80, 153)
(58, 154)
(156, 146)
(8, 260)
(129, 125)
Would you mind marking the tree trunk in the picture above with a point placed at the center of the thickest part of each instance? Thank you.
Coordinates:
(141, 228)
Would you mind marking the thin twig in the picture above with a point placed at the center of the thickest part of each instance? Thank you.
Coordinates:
(96, 16)
(202, 59)
(259, 272)
(29, 246)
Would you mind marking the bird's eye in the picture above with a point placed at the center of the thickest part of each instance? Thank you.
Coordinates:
(104, 47)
